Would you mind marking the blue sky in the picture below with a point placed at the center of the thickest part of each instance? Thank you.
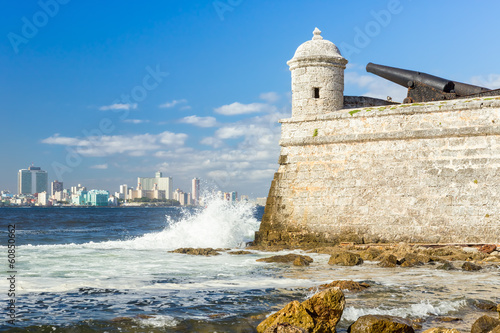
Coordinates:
(206, 80)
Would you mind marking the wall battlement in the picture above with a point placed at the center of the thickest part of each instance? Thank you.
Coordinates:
(414, 173)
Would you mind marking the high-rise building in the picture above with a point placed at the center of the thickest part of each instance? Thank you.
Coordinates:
(164, 183)
(195, 191)
(55, 187)
(32, 180)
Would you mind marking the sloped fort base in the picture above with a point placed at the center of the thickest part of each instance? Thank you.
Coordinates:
(414, 173)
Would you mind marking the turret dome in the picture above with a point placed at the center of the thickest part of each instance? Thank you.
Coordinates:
(318, 49)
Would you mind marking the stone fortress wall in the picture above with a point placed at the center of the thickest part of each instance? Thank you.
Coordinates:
(427, 173)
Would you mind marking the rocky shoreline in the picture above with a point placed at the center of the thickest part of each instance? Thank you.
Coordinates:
(322, 311)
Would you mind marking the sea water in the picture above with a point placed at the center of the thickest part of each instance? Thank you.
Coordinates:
(110, 270)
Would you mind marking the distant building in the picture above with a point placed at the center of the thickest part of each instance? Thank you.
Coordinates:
(195, 191)
(164, 183)
(96, 198)
(43, 199)
(244, 198)
(261, 201)
(76, 189)
(32, 180)
(123, 192)
(55, 187)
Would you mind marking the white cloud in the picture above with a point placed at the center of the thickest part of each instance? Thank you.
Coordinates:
(100, 166)
(132, 145)
(173, 103)
(374, 86)
(119, 106)
(212, 142)
(270, 97)
(199, 121)
(238, 108)
(491, 81)
(136, 121)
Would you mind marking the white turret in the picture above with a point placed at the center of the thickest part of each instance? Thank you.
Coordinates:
(317, 77)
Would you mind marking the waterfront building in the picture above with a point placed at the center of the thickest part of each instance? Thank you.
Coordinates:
(42, 199)
(55, 187)
(76, 189)
(261, 201)
(97, 198)
(164, 183)
(195, 191)
(32, 180)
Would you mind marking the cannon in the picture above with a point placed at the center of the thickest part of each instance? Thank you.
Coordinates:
(424, 87)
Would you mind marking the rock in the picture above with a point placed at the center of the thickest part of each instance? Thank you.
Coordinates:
(197, 252)
(345, 258)
(284, 328)
(484, 324)
(411, 260)
(370, 254)
(320, 313)
(122, 320)
(448, 319)
(288, 258)
(388, 261)
(498, 310)
(379, 324)
(488, 248)
(299, 261)
(469, 266)
(326, 308)
(240, 252)
(485, 305)
(293, 313)
(447, 266)
(344, 285)
(441, 330)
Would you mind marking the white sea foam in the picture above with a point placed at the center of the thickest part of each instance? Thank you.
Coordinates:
(157, 321)
(221, 224)
(421, 309)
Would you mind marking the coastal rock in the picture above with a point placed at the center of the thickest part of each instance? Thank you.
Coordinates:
(441, 330)
(240, 252)
(284, 328)
(288, 258)
(484, 324)
(447, 266)
(197, 251)
(388, 261)
(485, 305)
(345, 258)
(299, 261)
(469, 266)
(320, 313)
(378, 324)
(293, 313)
(348, 285)
(488, 248)
(370, 254)
(411, 260)
(448, 319)
(326, 308)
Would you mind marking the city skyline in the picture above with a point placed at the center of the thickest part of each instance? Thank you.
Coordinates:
(98, 94)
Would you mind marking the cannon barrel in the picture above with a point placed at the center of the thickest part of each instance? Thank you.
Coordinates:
(406, 78)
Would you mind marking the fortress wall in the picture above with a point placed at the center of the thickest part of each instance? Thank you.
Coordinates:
(417, 173)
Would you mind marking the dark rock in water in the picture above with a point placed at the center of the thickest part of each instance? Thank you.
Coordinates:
(447, 266)
(388, 261)
(122, 320)
(345, 285)
(288, 258)
(240, 252)
(320, 313)
(485, 305)
(484, 324)
(411, 260)
(345, 258)
(379, 324)
(300, 262)
(284, 328)
(197, 252)
(448, 319)
(469, 266)
(441, 330)
(370, 254)
(488, 248)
